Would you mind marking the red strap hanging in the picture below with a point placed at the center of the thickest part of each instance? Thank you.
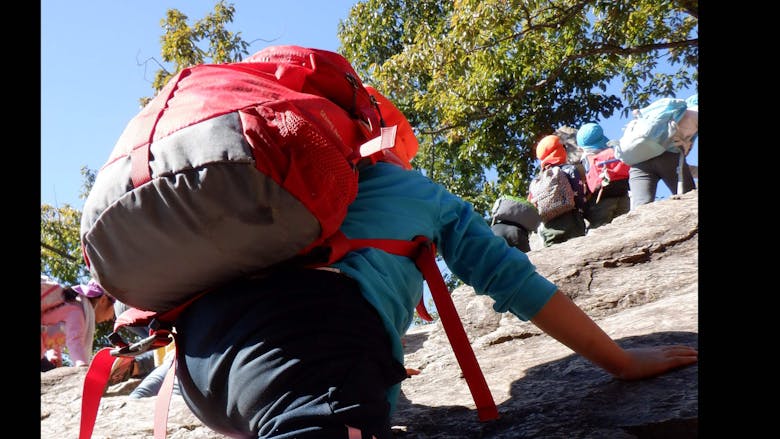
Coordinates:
(94, 385)
(423, 251)
(453, 327)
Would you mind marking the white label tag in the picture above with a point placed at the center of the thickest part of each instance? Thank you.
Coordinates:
(385, 140)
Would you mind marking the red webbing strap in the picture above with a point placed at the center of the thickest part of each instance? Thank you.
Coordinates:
(139, 165)
(400, 247)
(423, 312)
(426, 262)
(140, 172)
(340, 245)
(95, 383)
(354, 433)
(422, 250)
(163, 403)
(133, 317)
(137, 317)
(173, 314)
(99, 372)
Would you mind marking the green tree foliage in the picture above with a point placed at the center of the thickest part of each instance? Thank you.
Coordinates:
(483, 80)
(181, 42)
(61, 257)
(61, 245)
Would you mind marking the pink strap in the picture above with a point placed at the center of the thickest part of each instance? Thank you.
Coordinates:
(95, 383)
(354, 433)
(163, 403)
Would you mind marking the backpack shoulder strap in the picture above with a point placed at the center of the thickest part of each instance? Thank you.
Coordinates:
(423, 251)
(453, 327)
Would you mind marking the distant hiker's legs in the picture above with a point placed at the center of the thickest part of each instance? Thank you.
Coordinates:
(599, 213)
(606, 210)
(622, 206)
(515, 236)
(145, 364)
(644, 177)
(670, 173)
(47, 365)
(297, 355)
(561, 229)
(150, 385)
(521, 241)
(643, 182)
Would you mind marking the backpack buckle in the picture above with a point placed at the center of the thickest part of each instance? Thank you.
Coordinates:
(157, 340)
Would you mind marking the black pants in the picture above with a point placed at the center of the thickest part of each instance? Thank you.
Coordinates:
(47, 365)
(297, 355)
(515, 235)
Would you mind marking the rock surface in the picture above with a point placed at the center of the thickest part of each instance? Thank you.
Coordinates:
(637, 277)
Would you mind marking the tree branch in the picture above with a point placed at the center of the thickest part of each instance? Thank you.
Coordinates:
(690, 6)
(58, 252)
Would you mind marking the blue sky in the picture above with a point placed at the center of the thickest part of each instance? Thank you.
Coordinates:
(92, 72)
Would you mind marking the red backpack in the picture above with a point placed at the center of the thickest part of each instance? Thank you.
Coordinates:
(604, 173)
(231, 168)
(235, 168)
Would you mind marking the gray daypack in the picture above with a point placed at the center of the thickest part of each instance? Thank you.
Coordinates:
(517, 211)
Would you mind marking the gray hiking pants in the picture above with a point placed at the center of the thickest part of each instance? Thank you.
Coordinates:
(643, 177)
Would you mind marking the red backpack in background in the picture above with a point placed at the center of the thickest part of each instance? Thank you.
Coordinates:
(232, 169)
(606, 175)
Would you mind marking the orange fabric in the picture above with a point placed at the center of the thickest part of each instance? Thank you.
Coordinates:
(406, 144)
(551, 151)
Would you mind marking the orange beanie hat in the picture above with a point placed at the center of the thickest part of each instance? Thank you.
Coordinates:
(550, 151)
(406, 144)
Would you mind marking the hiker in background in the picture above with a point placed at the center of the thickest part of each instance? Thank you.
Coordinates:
(317, 353)
(644, 177)
(152, 383)
(139, 366)
(71, 324)
(605, 201)
(152, 365)
(669, 165)
(558, 227)
(513, 218)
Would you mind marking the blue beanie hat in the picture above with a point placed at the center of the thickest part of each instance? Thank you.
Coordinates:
(591, 137)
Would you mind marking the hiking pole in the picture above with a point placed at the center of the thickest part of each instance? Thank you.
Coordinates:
(680, 172)
(604, 176)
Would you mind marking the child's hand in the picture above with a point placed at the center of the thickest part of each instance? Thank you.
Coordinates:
(652, 361)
